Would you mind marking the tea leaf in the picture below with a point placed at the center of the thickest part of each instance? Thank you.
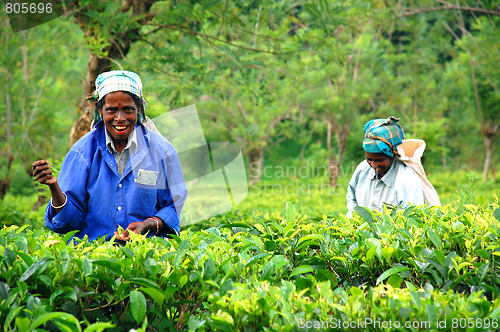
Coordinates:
(86, 267)
(442, 270)
(143, 282)
(68, 236)
(155, 294)
(497, 213)
(395, 280)
(434, 238)
(14, 311)
(9, 256)
(137, 306)
(4, 291)
(39, 265)
(364, 213)
(432, 313)
(255, 258)
(114, 266)
(52, 316)
(99, 327)
(390, 272)
(183, 247)
(208, 267)
(291, 213)
(301, 270)
(416, 299)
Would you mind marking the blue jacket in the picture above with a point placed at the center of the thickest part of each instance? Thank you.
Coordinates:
(100, 200)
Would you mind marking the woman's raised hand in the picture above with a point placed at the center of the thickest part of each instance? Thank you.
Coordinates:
(42, 171)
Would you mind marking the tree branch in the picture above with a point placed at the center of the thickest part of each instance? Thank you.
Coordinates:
(242, 110)
(449, 7)
(246, 31)
(33, 113)
(274, 123)
(212, 38)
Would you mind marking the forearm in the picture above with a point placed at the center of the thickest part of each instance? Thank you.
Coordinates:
(170, 219)
(59, 199)
(157, 226)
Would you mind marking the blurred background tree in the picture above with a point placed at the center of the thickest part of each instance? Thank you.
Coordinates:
(290, 81)
(41, 71)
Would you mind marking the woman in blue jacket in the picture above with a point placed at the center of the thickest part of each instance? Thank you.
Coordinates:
(118, 174)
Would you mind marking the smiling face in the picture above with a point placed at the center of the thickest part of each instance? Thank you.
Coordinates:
(380, 163)
(119, 114)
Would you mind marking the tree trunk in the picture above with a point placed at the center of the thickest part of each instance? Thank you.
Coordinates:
(255, 159)
(335, 159)
(118, 49)
(341, 138)
(96, 66)
(333, 171)
(5, 182)
(489, 134)
(4, 187)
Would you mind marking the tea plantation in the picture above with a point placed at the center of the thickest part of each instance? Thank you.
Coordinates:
(259, 268)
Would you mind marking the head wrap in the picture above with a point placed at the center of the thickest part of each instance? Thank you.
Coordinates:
(383, 136)
(117, 80)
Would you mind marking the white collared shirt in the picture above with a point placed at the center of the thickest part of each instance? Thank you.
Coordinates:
(399, 187)
(122, 158)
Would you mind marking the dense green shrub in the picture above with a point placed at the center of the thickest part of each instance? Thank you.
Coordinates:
(436, 265)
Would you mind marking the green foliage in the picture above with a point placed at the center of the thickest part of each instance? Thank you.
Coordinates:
(18, 210)
(279, 71)
(260, 73)
(40, 78)
(260, 272)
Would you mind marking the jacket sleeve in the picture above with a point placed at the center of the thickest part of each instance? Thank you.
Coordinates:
(73, 181)
(172, 199)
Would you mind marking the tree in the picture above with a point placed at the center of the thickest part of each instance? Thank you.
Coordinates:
(236, 69)
(251, 105)
(341, 79)
(37, 76)
(479, 58)
(112, 27)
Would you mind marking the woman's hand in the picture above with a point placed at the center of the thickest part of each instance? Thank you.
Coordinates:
(42, 171)
(138, 227)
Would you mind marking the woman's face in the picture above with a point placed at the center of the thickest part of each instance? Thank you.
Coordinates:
(119, 114)
(380, 163)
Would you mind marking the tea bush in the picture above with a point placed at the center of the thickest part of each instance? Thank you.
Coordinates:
(427, 267)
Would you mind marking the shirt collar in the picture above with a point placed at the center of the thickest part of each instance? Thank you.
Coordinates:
(388, 178)
(132, 141)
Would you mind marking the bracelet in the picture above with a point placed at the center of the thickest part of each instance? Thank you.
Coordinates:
(157, 223)
(59, 207)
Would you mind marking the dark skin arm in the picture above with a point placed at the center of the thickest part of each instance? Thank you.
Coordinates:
(142, 227)
(42, 171)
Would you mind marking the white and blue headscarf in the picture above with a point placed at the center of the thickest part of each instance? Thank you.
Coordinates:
(118, 80)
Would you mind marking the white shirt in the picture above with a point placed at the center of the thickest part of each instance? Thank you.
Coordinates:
(400, 186)
(122, 158)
